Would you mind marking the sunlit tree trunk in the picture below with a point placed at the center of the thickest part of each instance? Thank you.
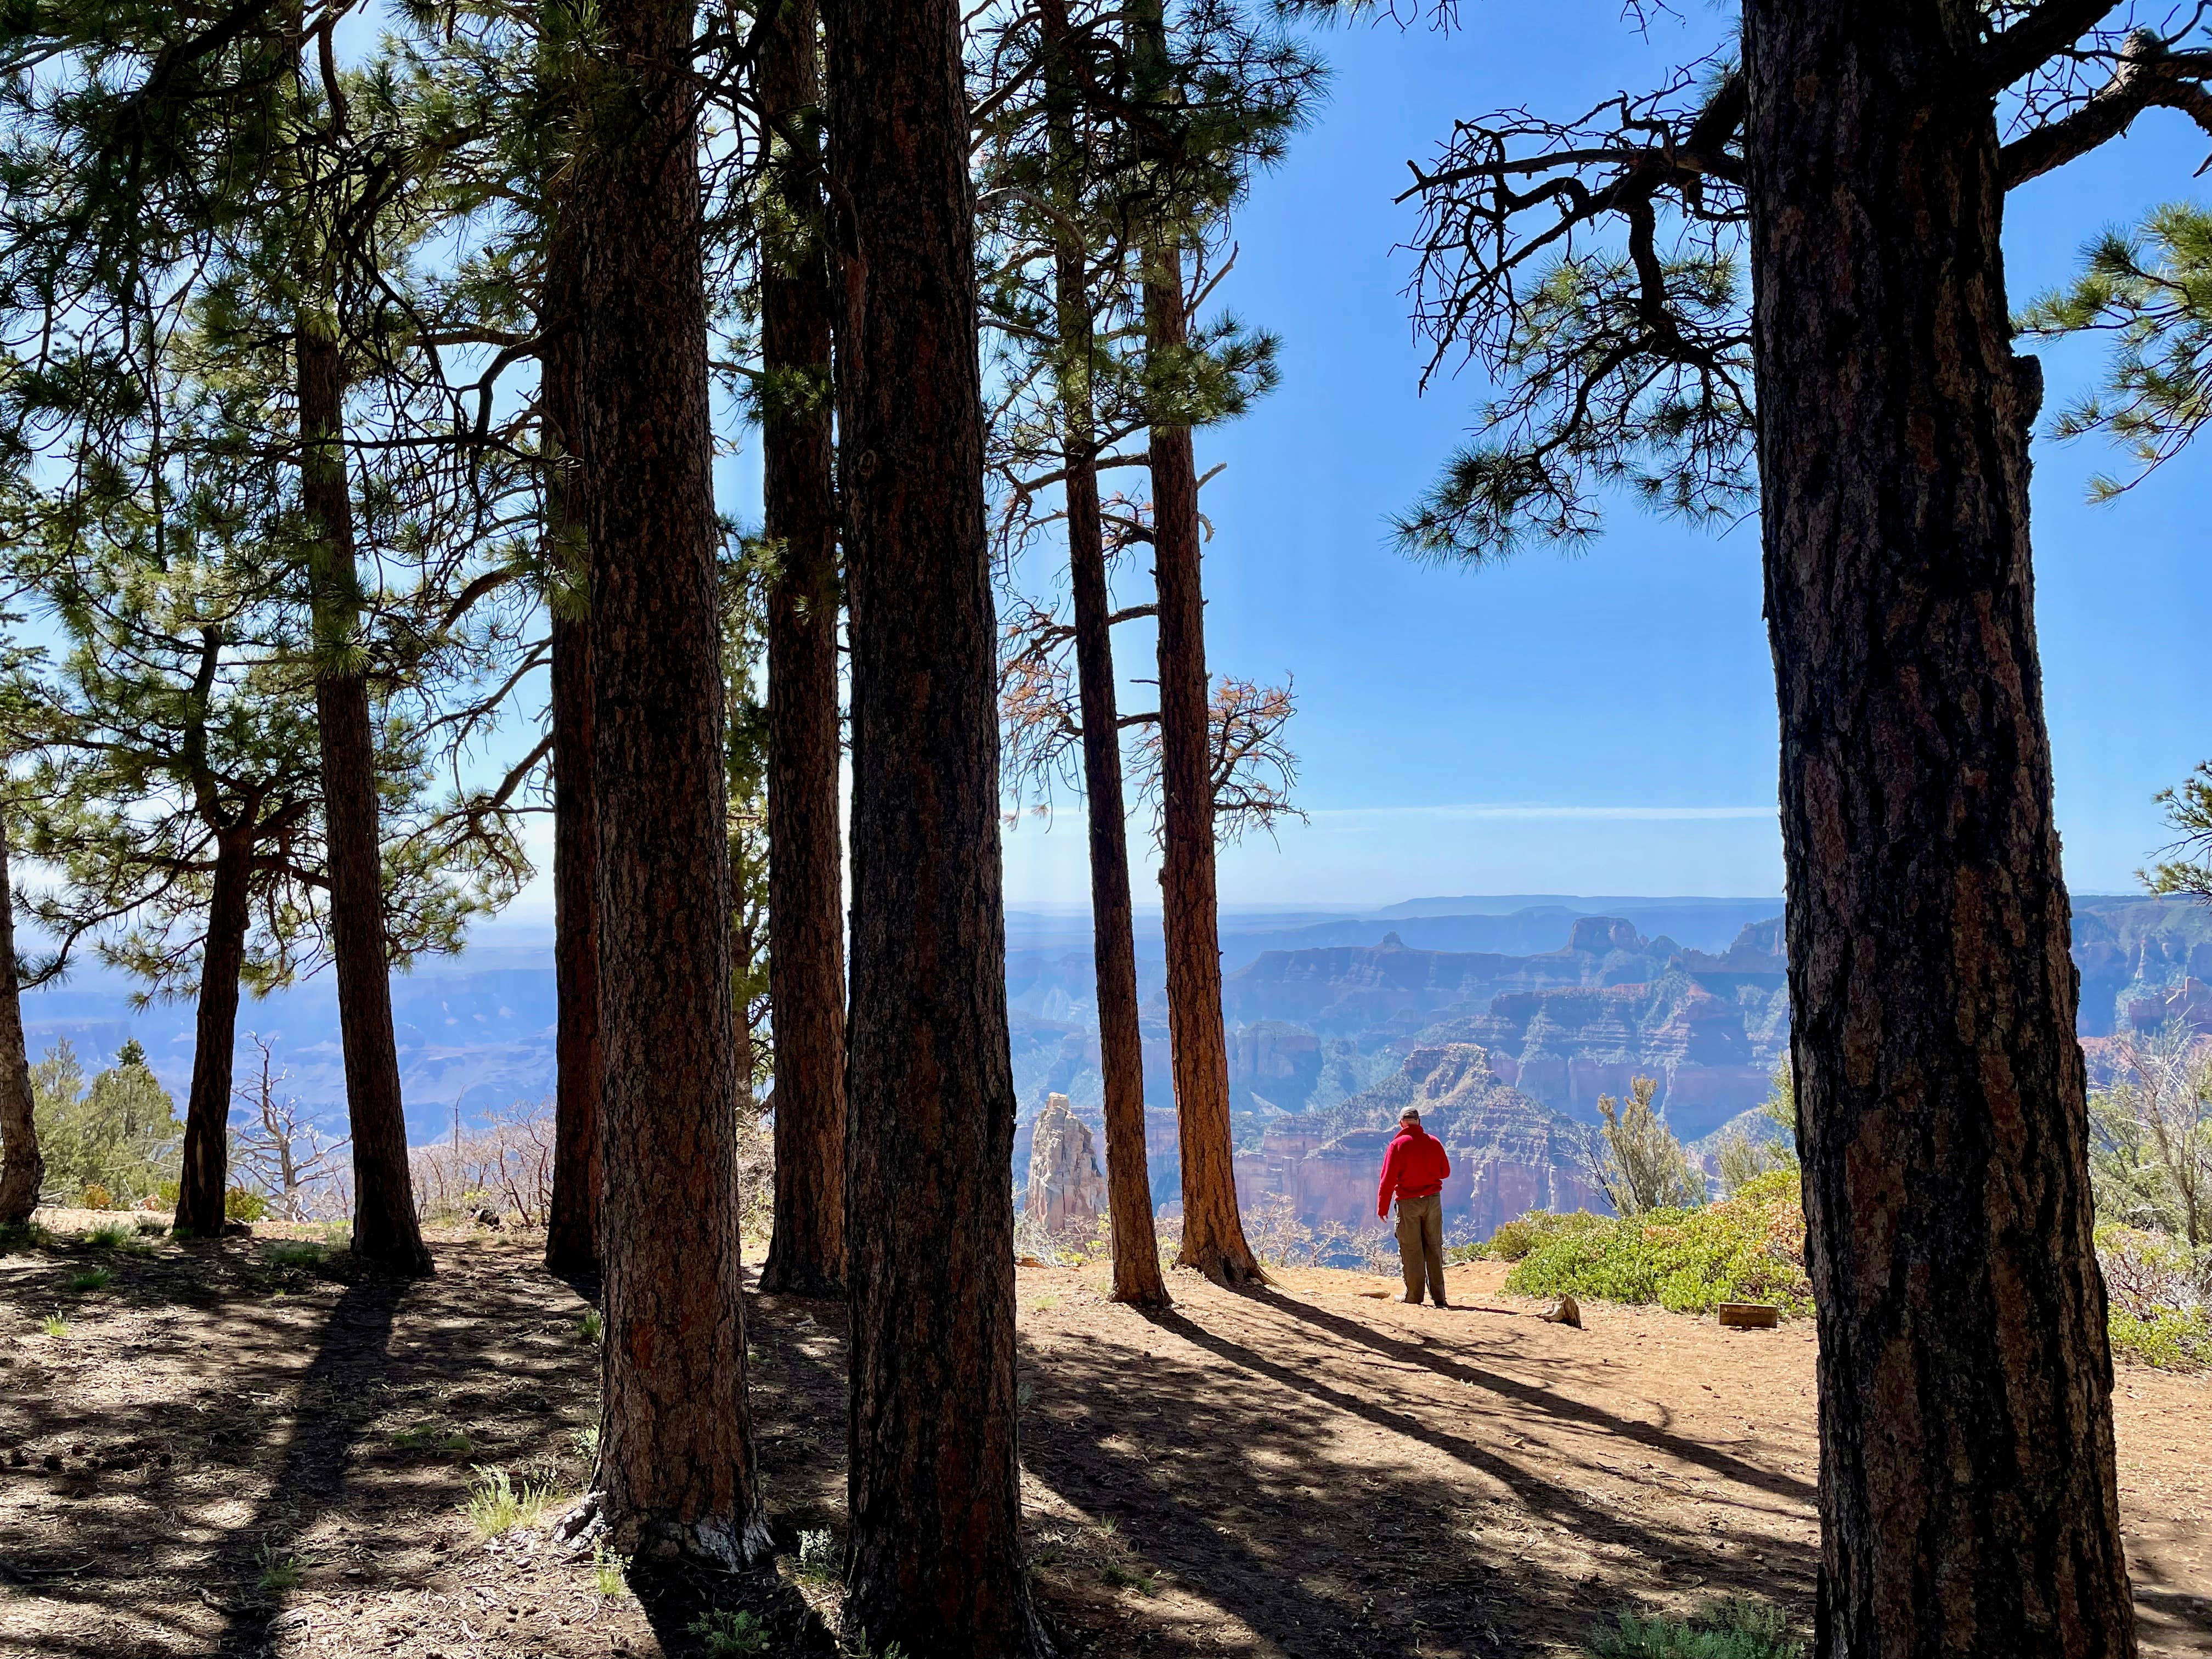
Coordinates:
(1137, 1276)
(1213, 1231)
(934, 1559)
(385, 1227)
(1967, 1485)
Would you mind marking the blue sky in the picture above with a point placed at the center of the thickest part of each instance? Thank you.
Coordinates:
(1507, 730)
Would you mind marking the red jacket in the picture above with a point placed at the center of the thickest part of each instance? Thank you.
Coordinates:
(1414, 1167)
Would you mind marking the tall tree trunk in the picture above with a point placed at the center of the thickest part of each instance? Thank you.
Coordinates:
(806, 900)
(1137, 1276)
(676, 1469)
(205, 1173)
(935, 1557)
(1967, 1485)
(572, 1228)
(24, 1170)
(1212, 1230)
(385, 1227)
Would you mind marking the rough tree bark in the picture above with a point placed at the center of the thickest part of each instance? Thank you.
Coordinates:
(1967, 1483)
(1137, 1276)
(676, 1473)
(1213, 1230)
(935, 1557)
(205, 1171)
(806, 899)
(572, 1228)
(24, 1170)
(385, 1227)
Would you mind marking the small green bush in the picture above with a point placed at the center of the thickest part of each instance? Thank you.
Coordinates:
(730, 1635)
(278, 1572)
(54, 1325)
(2175, 1339)
(1749, 1247)
(92, 1278)
(147, 1227)
(592, 1326)
(1513, 1241)
(241, 1204)
(108, 1236)
(1737, 1628)
(298, 1252)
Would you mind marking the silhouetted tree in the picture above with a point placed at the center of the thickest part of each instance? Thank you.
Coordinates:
(806, 903)
(935, 1553)
(1854, 158)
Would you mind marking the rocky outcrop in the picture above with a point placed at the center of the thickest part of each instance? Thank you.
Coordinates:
(1508, 1154)
(1067, 1189)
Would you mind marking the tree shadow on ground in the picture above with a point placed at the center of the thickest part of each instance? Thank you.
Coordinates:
(1710, 1458)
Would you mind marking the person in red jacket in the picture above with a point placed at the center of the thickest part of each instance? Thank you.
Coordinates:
(1414, 1172)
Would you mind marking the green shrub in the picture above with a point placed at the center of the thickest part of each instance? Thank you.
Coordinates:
(730, 1635)
(1513, 1241)
(108, 1236)
(2175, 1341)
(92, 1278)
(241, 1204)
(1749, 1247)
(1737, 1628)
(298, 1252)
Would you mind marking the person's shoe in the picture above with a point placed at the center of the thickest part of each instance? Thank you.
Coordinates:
(1411, 1301)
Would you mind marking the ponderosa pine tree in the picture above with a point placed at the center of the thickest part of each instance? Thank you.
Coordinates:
(806, 904)
(676, 1470)
(935, 1557)
(574, 1240)
(1194, 161)
(1968, 1488)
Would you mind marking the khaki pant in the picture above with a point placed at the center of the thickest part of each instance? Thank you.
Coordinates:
(1421, 1245)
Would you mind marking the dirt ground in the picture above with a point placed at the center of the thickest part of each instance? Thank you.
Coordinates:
(227, 1451)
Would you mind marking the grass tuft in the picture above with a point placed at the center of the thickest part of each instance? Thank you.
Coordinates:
(592, 1326)
(607, 1571)
(497, 1506)
(1135, 1578)
(147, 1227)
(55, 1325)
(92, 1278)
(298, 1252)
(429, 1437)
